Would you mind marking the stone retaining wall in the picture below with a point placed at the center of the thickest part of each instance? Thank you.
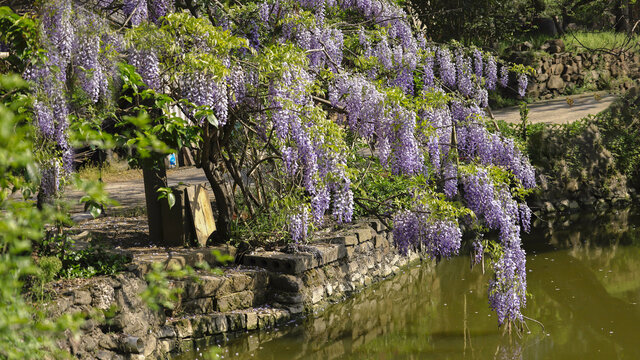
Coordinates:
(268, 289)
(556, 73)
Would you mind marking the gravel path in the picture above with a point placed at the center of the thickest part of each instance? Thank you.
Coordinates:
(558, 111)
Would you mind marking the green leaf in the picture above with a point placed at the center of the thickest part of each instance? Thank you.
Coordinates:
(171, 199)
(95, 211)
(213, 120)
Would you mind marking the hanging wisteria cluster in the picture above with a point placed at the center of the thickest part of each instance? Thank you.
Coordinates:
(78, 44)
(362, 62)
(66, 46)
(308, 149)
(139, 11)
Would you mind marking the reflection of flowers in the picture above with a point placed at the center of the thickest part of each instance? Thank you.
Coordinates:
(509, 351)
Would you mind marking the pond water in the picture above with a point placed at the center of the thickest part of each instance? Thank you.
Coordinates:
(584, 281)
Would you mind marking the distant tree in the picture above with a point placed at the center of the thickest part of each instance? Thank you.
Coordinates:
(474, 21)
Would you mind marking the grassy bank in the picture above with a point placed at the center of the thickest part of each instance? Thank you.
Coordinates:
(576, 41)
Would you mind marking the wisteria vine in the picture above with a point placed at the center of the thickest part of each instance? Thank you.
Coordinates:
(418, 105)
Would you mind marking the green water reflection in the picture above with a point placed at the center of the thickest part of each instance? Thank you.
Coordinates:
(584, 280)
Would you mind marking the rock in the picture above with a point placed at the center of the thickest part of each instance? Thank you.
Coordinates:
(109, 342)
(199, 306)
(240, 282)
(150, 344)
(88, 343)
(287, 297)
(166, 346)
(563, 205)
(252, 321)
(542, 77)
(573, 205)
(207, 286)
(81, 217)
(128, 295)
(350, 251)
(265, 321)
(259, 279)
(572, 27)
(381, 241)
(183, 328)
(283, 263)
(553, 46)
(548, 207)
(81, 297)
(570, 69)
(526, 46)
(555, 82)
(601, 204)
(58, 307)
(281, 316)
(104, 355)
(557, 69)
(363, 234)
(619, 202)
(295, 309)
(167, 332)
(572, 185)
(202, 326)
(236, 321)
(377, 225)
(88, 325)
(236, 301)
(316, 295)
(103, 295)
(285, 282)
(132, 323)
(349, 240)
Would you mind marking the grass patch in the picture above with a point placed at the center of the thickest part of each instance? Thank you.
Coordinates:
(606, 40)
(577, 41)
(109, 172)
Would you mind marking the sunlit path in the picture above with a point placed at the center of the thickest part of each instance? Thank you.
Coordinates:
(558, 111)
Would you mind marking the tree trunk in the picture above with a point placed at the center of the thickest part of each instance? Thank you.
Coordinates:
(211, 163)
(622, 16)
(559, 27)
(224, 201)
(626, 23)
(154, 178)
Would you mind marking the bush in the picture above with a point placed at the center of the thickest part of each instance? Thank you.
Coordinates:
(48, 268)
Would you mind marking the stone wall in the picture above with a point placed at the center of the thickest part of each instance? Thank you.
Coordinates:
(268, 289)
(557, 73)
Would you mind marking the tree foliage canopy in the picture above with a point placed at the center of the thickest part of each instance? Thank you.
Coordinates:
(302, 113)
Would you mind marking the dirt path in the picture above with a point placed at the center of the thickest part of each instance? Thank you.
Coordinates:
(130, 193)
(558, 111)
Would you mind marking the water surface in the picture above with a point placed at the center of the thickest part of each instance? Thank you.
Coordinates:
(584, 281)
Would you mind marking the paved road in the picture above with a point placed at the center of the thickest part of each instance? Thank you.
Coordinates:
(558, 111)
